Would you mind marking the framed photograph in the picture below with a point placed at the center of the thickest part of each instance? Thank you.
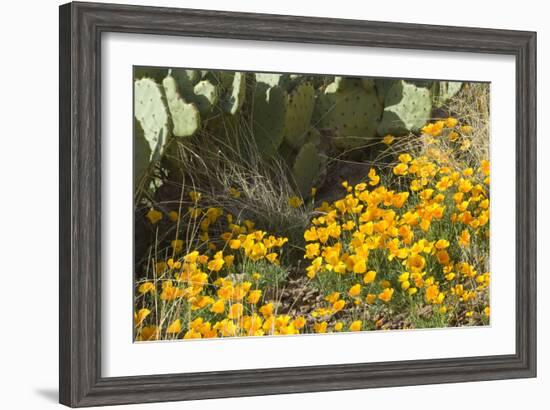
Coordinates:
(261, 204)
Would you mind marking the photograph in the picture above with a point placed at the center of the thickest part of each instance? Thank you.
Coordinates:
(270, 204)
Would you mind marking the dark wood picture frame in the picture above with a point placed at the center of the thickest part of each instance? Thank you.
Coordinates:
(81, 28)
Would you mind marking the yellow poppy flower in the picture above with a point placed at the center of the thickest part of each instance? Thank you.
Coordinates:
(235, 311)
(338, 305)
(272, 257)
(299, 322)
(172, 264)
(192, 334)
(369, 277)
(373, 178)
(195, 196)
(320, 327)
(148, 333)
(400, 169)
(443, 257)
(442, 244)
(355, 290)
(360, 265)
(355, 326)
(235, 193)
(295, 202)
(466, 129)
(146, 287)
(218, 306)
(432, 294)
(154, 216)
(266, 310)
(451, 122)
(140, 316)
(312, 250)
(416, 263)
(386, 294)
(254, 296)
(333, 297)
(174, 327)
(216, 264)
(235, 244)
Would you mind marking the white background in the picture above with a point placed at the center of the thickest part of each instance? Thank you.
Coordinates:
(29, 116)
(121, 357)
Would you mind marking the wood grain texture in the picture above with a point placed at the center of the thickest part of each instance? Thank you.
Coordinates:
(81, 26)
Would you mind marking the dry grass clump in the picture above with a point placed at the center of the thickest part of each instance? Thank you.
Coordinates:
(472, 106)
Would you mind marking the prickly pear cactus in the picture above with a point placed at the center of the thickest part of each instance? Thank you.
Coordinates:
(350, 111)
(407, 108)
(443, 91)
(268, 118)
(194, 86)
(205, 96)
(306, 168)
(299, 109)
(338, 84)
(341, 83)
(368, 84)
(150, 111)
(313, 136)
(236, 94)
(272, 80)
(154, 73)
(185, 116)
(382, 87)
(185, 79)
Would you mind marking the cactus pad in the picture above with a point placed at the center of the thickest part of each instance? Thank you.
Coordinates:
(185, 116)
(313, 136)
(237, 93)
(306, 168)
(300, 103)
(349, 110)
(382, 87)
(272, 80)
(185, 79)
(443, 91)
(150, 111)
(368, 84)
(407, 108)
(205, 96)
(268, 117)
